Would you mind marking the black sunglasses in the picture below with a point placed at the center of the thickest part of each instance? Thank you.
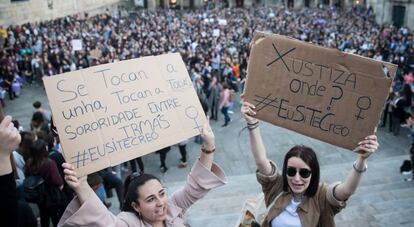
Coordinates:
(304, 173)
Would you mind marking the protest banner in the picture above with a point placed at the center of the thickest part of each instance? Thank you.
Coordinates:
(111, 113)
(319, 92)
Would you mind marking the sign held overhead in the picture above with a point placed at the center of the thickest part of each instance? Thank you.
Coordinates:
(112, 113)
(319, 92)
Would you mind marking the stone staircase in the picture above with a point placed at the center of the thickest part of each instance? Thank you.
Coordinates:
(382, 199)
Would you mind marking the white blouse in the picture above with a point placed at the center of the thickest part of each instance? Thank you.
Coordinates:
(289, 216)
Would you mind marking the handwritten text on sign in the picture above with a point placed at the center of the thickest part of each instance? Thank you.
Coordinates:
(319, 92)
(112, 113)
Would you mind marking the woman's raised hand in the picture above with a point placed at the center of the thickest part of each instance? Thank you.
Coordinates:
(9, 137)
(72, 179)
(248, 112)
(367, 146)
(208, 137)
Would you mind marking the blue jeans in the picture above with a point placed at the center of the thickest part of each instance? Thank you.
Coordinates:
(224, 111)
(100, 192)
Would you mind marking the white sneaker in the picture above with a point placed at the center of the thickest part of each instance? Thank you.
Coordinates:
(408, 179)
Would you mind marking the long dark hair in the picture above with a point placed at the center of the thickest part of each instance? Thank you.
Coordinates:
(39, 155)
(25, 145)
(131, 187)
(309, 157)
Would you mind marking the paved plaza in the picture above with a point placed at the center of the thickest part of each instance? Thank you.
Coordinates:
(383, 198)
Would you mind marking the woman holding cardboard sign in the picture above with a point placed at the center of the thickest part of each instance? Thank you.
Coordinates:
(295, 197)
(146, 202)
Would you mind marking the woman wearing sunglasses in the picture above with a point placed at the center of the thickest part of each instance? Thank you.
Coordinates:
(295, 197)
(146, 202)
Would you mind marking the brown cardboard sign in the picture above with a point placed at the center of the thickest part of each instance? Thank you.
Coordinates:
(111, 113)
(319, 92)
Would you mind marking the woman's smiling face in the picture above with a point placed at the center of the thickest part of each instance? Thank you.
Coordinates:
(297, 183)
(152, 202)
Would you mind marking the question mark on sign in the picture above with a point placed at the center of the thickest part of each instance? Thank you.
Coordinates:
(337, 97)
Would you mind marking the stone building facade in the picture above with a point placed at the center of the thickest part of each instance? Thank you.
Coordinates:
(23, 11)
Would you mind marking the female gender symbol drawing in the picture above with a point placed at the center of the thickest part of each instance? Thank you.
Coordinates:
(192, 113)
(363, 103)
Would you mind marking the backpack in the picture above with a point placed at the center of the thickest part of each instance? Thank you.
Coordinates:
(37, 190)
(34, 188)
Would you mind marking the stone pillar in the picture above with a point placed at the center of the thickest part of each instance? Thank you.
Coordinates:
(410, 16)
(198, 3)
(299, 4)
(151, 4)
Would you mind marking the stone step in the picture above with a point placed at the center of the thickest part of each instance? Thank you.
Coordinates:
(396, 213)
(228, 220)
(376, 195)
(397, 218)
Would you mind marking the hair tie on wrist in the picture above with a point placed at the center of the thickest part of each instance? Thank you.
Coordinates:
(208, 151)
(360, 170)
(252, 126)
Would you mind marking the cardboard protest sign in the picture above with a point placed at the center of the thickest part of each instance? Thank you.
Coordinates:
(222, 22)
(77, 44)
(111, 113)
(216, 32)
(319, 92)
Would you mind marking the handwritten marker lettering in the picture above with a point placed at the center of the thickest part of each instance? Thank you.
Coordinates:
(192, 113)
(363, 103)
(123, 78)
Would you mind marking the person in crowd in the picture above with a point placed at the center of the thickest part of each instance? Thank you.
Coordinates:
(38, 124)
(133, 164)
(225, 103)
(56, 155)
(214, 98)
(163, 155)
(112, 181)
(183, 152)
(146, 202)
(295, 197)
(26, 69)
(8, 79)
(10, 139)
(20, 169)
(95, 182)
(398, 112)
(27, 139)
(387, 111)
(40, 164)
(47, 116)
(410, 125)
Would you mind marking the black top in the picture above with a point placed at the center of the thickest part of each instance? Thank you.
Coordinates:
(8, 198)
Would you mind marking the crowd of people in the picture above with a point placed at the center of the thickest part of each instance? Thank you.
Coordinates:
(214, 43)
